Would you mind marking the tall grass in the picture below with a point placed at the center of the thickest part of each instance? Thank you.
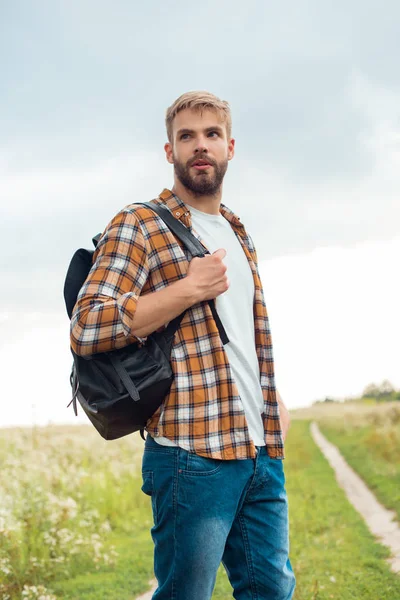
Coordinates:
(64, 491)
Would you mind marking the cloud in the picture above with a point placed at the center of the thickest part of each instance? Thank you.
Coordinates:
(49, 212)
(314, 89)
(78, 68)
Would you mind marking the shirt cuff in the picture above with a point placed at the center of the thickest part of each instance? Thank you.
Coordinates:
(127, 307)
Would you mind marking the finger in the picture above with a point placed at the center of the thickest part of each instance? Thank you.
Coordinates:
(221, 253)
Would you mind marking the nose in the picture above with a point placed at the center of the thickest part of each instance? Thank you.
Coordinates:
(201, 145)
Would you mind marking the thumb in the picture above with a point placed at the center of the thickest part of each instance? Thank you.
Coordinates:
(220, 253)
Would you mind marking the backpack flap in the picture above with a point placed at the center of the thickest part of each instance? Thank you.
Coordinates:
(78, 270)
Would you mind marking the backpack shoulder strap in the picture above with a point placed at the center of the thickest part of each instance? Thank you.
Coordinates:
(96, 239)
(178, 229)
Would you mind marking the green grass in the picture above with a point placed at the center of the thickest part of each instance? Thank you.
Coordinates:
(373, 450)
(126, 580)
(332, 552)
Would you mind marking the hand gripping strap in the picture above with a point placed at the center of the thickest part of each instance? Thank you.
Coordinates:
(196, 249)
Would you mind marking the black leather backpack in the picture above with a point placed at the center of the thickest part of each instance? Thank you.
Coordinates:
(121, 389)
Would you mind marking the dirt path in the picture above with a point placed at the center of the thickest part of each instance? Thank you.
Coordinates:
(379, 520)
(148, 595)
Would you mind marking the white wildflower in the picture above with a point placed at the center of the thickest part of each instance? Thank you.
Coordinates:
(33, 592)
(106, 527)
(5, 566)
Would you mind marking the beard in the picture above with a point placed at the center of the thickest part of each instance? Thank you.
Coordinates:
(201, 183)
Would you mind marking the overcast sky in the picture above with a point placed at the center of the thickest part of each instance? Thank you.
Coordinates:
(314, 88)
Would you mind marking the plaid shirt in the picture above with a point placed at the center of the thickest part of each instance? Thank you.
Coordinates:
(202, 412)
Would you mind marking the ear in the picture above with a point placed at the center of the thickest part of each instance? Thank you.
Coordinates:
(169, 152)
(231, 149)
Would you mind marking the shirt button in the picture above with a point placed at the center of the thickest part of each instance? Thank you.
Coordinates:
(178, 214)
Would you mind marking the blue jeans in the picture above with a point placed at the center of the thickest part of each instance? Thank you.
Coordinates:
(206, 511)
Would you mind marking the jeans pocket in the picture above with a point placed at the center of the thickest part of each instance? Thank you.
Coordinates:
(201, 465)
(148, 482)
(148, 489)
(276, 475)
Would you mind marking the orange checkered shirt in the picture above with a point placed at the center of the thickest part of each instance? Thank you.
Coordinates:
(136, 255)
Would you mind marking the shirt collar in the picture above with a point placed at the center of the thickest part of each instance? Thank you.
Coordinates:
(175, 204)
(179, 209)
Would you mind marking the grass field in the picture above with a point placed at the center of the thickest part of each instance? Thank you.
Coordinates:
(73, 520)
(72, 516)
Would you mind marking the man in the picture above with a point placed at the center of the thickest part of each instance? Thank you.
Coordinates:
(212, 462)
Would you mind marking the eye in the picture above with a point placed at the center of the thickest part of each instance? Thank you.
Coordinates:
(184, 136)
(213, 133)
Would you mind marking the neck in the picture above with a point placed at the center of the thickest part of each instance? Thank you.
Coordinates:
(207, 204)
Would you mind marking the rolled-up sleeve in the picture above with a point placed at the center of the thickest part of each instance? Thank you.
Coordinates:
(106, 304)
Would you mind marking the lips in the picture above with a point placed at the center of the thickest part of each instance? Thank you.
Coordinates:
(201, 165)
(201, 162)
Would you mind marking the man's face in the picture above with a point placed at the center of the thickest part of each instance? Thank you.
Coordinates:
(199, 151)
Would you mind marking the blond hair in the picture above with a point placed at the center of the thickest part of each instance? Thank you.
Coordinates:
(199, 101)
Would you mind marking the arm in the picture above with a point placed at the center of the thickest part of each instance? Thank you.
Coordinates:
(283, 411)
(284, 415)
(155, 309)
(107, 302)
(109, 313)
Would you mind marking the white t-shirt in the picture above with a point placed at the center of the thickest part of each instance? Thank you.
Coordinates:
(235, 309)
